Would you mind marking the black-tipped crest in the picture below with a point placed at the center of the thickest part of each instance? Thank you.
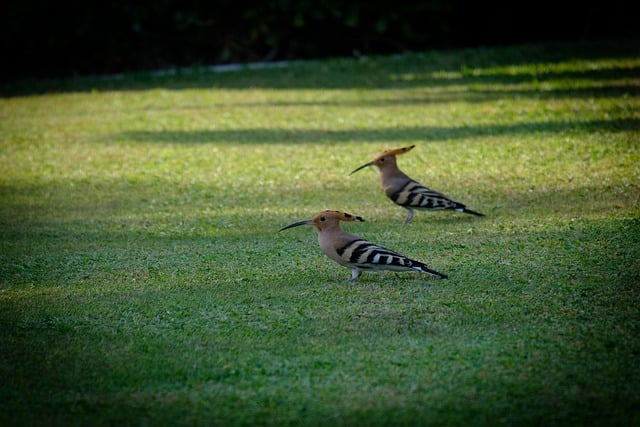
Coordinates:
(323, 216)
(396, 151)
(392, 152)
(342, 216)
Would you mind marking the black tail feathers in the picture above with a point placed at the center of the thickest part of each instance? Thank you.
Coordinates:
(422, 267)
(469, 211)
(462, 208)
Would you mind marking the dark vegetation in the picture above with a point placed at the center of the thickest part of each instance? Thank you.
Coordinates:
(42, 38)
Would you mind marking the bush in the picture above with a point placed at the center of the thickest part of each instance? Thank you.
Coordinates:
(46, 39)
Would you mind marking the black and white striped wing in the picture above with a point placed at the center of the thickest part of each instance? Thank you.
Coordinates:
(367, 256)
(415, 195)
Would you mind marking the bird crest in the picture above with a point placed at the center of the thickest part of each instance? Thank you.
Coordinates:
(380, 158)
(342, 216)
(396, 151)
(354, 252)
(321, 218)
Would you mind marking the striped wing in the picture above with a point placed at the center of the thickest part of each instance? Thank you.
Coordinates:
(367, 256)
(415, 195)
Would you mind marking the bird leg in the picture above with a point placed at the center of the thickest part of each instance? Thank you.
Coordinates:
(355, 273)
(409, 216)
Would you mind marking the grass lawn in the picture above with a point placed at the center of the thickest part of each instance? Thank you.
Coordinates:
(143, 280)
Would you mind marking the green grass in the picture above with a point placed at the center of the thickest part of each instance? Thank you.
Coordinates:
(143, 280)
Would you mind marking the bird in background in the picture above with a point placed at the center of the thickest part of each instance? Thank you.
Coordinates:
(407, 192)
(354, 252)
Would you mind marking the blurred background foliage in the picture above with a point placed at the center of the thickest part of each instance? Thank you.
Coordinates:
(43, 38)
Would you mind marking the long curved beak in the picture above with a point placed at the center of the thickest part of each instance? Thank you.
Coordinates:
(296, 224)
(366, 165)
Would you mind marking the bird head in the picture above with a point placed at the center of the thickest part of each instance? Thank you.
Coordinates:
(384, 158)
(326, 219)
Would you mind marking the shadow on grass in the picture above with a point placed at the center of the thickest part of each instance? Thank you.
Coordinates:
(473, 66)
(76, 238)
(135, 358)
(58, 346)
(425, 133)
(465, 94)
(476, 90)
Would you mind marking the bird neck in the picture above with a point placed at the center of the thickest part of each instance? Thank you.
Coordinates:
(390, 170)
(328, 228)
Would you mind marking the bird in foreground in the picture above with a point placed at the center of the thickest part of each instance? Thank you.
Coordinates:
(406, 192)
(354, 252)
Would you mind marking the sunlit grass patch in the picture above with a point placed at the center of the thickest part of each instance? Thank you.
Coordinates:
(143, 278)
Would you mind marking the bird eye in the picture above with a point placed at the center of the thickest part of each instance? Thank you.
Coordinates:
(382, 160)
(322, 218)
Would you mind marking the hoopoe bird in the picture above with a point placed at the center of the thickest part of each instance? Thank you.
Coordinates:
(407, 192)
(354, 252)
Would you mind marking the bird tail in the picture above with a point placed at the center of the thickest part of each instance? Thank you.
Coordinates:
(462, 208)
(422, 267)
(469, 211)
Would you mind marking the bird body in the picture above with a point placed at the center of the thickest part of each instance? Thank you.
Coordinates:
(405, 191)
(355, 252)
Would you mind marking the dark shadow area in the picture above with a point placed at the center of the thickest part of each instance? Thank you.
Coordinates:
(55, 350)
(74, 38)
(469, 93)
(425, 133)
(404, 71)
(540, 73)
(70, 239)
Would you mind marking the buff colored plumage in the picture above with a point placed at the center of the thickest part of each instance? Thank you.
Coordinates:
(354, 252)
(405, 191)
